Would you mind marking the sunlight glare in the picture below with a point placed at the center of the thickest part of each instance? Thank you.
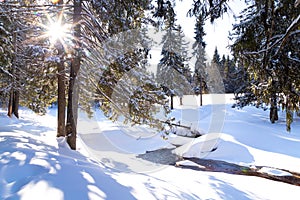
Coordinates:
(56, 31)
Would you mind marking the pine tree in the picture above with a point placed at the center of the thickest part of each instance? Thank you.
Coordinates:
(223, 66)
(216, 57)
(33, 79)
(13, 32)
(10, 65)
(5, 55)
(211, 9)
(172, 68)
(117, 65)
(267, 46)
(199, 52)
(73, 96)
(242, 84)
(230, 75)
(216, 60)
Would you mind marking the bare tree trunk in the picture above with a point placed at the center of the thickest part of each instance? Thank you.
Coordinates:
(61, 100)
(72, 110)
(172, 102)
(61, 92)
(201, 90)
(181, 103)
(15, 106)
(10, 103)
(273, 109)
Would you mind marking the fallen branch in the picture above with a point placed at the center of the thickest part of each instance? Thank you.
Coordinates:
(195, 132)
(230, 168)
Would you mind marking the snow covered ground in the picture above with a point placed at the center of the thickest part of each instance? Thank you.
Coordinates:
(34, 164)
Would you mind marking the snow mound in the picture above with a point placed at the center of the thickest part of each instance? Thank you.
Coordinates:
(192, 132)
(189, 163)
(199, 147)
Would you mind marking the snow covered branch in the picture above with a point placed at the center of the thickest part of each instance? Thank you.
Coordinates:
(281, 38)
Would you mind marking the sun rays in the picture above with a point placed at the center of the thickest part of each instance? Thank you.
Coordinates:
(56, 29)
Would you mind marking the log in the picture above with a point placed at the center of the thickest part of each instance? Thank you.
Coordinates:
(230, 168)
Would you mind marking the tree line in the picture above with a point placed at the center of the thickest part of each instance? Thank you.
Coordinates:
(92, 61)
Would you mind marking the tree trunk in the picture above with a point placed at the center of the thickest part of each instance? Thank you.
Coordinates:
(172, 102)
(10, 103)
(15, 106)
(201, 90)
(72, 110)
(273, 114)
(61, 91)
(273, 110)
(181, 101)
(61, 100)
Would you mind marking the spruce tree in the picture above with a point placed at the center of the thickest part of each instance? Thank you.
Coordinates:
(34, 66)
(266, 44)
(6, 55)
(10, 65)
(172, 67)
(115, 70)
(209, 9)
(216, 57)
(217, 61)
(199, 52)
(230, 75)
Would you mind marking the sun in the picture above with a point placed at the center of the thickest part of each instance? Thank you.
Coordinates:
(56, 31)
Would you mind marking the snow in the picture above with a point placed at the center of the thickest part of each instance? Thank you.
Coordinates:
(34, 164)
(276, 172)
(199, 147)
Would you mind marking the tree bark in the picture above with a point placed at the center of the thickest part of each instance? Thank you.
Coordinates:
(201, 90)
(10, 103)
(61, 100)
(273, 110)
(172, 102)
(72, 110)
(13, 104)
(61, 92)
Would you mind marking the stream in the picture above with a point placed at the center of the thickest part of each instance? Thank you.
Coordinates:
(166, 157)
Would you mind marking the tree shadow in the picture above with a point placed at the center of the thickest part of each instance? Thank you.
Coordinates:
(26, 163)
(226, 190)
(22, 124)
(164, 190)
(266, 139)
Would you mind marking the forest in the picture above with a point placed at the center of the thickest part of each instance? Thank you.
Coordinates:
(121, 99)
(82, 54)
